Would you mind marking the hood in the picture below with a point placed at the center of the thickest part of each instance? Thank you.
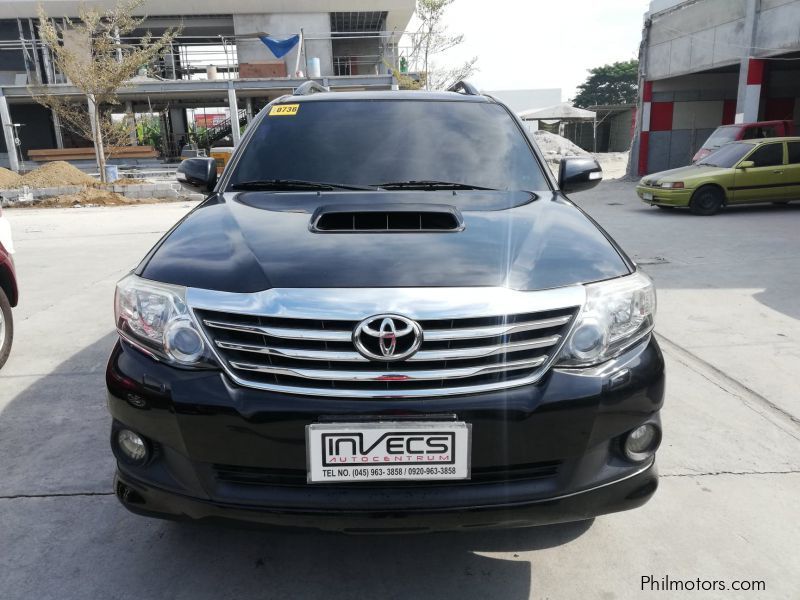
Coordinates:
(683, 173)
(253, 241)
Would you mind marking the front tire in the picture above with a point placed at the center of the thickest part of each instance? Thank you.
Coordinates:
(707, 201)
(6, 328)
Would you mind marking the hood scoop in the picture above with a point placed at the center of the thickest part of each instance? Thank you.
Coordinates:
(386, 218)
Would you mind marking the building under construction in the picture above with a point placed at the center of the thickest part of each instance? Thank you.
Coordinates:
(706, 63)
(214, 78)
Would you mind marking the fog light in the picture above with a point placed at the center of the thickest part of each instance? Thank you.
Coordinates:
(642, 442)
(183, 342)
(132, 445)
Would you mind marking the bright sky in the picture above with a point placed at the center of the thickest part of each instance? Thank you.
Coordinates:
(529, 44)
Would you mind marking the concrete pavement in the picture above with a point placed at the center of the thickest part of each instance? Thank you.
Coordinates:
(726, 510)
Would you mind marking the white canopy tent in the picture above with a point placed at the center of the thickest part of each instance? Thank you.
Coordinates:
(562, 114)
(559, 112)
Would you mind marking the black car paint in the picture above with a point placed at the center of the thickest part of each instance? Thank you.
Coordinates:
(204, 420)
(509, 238)
(250, 241)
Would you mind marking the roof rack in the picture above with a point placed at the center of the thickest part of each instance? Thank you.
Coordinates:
(464, 87)
(309, 87)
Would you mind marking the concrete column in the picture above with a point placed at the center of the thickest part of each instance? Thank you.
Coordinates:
(644, 135)
(234, 108)
(8, 134)
(751, 70)
(748, 100)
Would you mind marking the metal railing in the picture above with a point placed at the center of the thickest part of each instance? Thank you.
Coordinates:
(205, 57)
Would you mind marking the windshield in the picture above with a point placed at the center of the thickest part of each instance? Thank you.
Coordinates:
(721, 136)
(727, 156)
(370, 142)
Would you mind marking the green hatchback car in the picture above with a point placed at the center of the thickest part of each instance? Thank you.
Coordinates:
(765, 170)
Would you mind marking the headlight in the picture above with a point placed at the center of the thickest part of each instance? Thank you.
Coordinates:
(154, 315)
(672, 185)
(617, 314)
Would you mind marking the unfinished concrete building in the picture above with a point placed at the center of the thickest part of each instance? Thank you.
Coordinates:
(217, 74)
(706, 63)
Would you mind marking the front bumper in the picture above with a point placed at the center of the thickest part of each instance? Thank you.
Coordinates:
(629, 492)
(541, 453)
(664, 197)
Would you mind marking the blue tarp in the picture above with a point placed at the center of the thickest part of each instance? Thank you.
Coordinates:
(280, 47)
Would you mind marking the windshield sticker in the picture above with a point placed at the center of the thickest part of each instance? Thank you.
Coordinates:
(284, 110)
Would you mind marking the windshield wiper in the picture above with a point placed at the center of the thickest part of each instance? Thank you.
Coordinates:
(430, 184)
(295, 185)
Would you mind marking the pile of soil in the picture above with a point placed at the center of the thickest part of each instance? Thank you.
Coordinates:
(555, 146)
(55, 174)
(8, 179)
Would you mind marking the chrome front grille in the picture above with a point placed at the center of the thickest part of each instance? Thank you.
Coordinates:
(314, 356)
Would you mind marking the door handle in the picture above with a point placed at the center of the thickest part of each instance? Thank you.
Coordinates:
(778, 172)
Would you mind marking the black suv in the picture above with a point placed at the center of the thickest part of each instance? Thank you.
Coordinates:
(386, 316)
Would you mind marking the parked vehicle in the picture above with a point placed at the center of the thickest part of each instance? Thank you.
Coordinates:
(743, 131)
(8, 289)
(738, 173)
(386, 316)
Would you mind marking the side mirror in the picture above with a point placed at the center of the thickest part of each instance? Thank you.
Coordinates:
(578, 173)
(199, 174)
(746, 164)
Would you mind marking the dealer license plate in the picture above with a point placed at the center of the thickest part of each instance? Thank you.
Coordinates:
(388, 451)
(647, 195)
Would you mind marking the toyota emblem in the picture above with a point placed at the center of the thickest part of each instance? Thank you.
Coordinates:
(387, 337)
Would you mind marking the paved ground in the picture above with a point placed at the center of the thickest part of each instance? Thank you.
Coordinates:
(727, 508)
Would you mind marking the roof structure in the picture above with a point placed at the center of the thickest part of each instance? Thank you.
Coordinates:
(559, 112)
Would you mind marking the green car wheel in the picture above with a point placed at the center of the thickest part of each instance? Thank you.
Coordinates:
(707, 201)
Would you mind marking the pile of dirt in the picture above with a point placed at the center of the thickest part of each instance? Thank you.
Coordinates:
(555, 146)
(8, 179)
(55, 174)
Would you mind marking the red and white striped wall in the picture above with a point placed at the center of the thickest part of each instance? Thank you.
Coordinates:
(644, 136)
(748, 112)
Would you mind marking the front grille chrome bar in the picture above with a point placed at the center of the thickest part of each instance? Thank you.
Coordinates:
(324, 374)
(284, 333)
(423, 355)
(298, 353)
(493, 330)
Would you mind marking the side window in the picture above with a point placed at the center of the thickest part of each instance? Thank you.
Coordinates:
(794, 153)
(768, 155)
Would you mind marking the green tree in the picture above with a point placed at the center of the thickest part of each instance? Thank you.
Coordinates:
(616, 83)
